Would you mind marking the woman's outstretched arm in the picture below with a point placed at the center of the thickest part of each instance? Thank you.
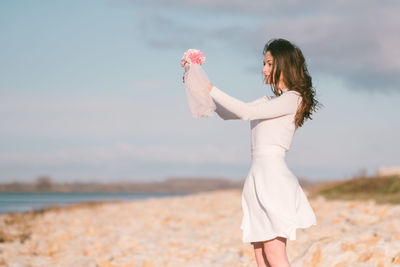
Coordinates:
(285, 104)
(228, 115)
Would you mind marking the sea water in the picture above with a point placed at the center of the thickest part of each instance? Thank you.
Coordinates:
(24, 201)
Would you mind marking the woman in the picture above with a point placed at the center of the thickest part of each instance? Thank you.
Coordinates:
(273, 203)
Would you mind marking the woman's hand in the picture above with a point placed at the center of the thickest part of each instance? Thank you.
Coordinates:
(183, 77)
(184, 73)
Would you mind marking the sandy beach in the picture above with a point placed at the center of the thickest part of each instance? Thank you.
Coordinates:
(202, 229)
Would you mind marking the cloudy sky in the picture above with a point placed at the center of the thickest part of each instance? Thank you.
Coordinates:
(92, 90)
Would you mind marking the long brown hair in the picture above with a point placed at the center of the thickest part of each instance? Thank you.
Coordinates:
(289, 61)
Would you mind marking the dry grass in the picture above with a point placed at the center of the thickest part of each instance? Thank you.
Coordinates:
(381, 189)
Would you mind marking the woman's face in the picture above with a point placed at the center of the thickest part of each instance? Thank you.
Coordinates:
(267, 69)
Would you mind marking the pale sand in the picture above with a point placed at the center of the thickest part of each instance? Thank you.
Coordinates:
(199, 230)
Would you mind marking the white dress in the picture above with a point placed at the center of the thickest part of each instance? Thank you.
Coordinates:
(273, 202)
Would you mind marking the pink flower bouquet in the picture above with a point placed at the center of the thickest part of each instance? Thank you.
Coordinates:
(193, 56)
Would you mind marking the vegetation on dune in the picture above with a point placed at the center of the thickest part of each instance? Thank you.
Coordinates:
(381, 189)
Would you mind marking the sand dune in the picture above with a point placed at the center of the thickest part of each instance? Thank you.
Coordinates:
(196, 230)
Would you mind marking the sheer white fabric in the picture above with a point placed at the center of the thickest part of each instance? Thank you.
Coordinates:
(199, 99)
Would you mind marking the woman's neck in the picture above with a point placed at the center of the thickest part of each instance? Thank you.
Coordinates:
(282, 87)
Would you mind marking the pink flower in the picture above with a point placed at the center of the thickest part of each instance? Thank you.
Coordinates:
(193, 56)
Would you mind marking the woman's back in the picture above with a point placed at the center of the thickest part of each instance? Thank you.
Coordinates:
(273, 131)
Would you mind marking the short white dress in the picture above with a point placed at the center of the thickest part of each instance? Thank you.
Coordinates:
(273, 202)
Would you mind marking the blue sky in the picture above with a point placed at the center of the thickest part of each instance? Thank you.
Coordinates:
(92, 90)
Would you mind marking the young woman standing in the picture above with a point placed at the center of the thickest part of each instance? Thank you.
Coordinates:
(273, 203)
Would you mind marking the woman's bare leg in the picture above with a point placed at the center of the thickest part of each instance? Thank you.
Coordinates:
(261, 258)
(275, 250)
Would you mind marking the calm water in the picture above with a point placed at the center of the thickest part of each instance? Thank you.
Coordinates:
(19, 202)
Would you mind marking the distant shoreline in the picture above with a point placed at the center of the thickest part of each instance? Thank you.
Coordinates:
(170, 185)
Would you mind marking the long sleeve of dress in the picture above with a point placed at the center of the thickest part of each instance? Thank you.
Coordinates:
(285, 104)
(228, 115)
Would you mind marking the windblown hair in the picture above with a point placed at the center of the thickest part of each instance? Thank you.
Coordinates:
(289, 62)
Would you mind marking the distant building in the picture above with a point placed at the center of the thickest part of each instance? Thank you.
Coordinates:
(388, 171)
